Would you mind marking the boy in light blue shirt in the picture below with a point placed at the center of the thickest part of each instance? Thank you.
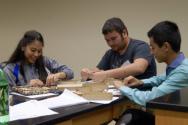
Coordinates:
(165, 42)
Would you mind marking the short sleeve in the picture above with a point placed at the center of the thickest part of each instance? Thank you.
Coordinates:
(104, 62)
(142, 50)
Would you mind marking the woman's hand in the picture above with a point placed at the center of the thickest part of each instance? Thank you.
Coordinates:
(36, 82)
(53, 79)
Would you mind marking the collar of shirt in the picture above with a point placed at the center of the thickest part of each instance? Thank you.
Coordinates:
(175, 63)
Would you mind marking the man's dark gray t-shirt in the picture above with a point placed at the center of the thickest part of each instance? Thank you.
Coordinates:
(136, 49)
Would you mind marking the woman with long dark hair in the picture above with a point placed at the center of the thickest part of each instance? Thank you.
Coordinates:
(27, 65)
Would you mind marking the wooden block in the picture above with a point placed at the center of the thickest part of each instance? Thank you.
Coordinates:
(69, 85)
(98, 96)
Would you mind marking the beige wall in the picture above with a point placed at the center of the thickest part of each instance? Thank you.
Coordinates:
(72, 28)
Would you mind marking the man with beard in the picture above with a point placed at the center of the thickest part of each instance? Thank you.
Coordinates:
(126, 57)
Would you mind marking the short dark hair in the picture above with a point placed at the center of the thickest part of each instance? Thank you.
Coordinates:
(166, 31)
(114, 24)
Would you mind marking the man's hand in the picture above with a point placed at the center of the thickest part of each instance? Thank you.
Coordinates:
(118, 84)
(36, 82)
(132, 81)
(86, 74)
(99, 76)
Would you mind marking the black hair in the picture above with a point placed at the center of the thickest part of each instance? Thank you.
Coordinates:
(166, 31)
(114, 24)
(18, 54)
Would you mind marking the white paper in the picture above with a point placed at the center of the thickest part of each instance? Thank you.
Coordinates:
(29, 109)
(104, 101)
(41, 95)
(34, 96)
(67, 98)
(115, 92)
(111, 87)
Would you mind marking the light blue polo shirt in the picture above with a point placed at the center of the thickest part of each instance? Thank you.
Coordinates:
(175, 78)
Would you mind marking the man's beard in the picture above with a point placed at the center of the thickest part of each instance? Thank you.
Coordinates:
(121, 47)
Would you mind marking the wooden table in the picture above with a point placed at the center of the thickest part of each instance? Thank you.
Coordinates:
(171, 109)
